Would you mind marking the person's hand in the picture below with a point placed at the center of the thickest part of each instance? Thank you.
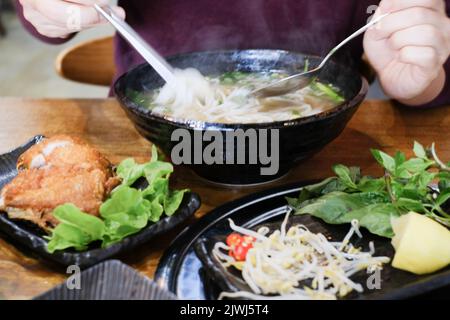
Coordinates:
(58, 18)
(409, 47)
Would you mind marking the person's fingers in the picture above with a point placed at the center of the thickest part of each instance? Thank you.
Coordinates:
(421, 36)
(43, 25)
(53, 31)
(79, 2)
(120, 12)
(398, 5)
(57, 18)
(63, 12)
(425, 57)
(90, 2)
(404, 19)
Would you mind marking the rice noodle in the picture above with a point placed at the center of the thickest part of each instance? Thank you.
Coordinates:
(279, 263)
(208, 99)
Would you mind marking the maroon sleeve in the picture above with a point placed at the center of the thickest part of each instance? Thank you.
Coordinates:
(34, 32)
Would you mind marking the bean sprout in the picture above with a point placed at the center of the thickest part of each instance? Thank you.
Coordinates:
(281, 263)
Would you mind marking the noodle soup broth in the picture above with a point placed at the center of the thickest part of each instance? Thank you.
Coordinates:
(227, 99)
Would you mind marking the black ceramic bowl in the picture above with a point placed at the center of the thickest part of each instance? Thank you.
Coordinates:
(298, 139)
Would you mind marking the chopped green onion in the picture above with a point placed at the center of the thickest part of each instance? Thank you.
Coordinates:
(296, 113)
(232, 77)
(306, 68)
(327, 90)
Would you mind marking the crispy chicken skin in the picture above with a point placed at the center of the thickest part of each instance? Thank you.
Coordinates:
(63, 151)
(56, 171)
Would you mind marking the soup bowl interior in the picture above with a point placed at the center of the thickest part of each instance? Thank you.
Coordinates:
(278, 146)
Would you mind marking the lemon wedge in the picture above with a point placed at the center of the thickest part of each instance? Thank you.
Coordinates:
(421, 244)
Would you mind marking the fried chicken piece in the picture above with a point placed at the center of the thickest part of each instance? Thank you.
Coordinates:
(57, 171)
(61, 151)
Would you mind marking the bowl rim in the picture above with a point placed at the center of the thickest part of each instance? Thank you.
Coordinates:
(130, 106)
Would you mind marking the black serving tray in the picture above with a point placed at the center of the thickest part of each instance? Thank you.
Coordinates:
(109, 280)
(32, 238)
(194, 275)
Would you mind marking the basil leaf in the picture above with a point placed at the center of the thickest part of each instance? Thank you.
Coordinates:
(385, 160)
(355, 174)
(376, 218)
(340, 207)
(417, 186)
(343, 174)
(419, 150)
(399, 158)
(443, 197)
(315, 190)
(444, 181)
(331, 207)
(367, 184)
(411, 193)
(415, 165)
(410, 205)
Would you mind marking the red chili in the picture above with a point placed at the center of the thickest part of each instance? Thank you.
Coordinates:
(239, 245)
(234, 239)
(240, 252)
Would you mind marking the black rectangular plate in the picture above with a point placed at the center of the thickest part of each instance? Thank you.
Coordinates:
(29, 236)
(110, 280)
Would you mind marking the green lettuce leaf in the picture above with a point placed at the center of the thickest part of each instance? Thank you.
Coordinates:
(76, 229)
(172, 201)
(126, 212)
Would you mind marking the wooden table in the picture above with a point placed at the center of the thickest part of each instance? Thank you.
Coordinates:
(377, 124)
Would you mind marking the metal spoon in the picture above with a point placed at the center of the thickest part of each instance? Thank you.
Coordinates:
(301, 80)
(146, 51)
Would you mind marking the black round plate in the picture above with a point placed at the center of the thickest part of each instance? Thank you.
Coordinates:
(181, 271)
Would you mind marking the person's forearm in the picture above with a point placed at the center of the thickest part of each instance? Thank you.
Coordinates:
(430, 94)
(27, 25)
